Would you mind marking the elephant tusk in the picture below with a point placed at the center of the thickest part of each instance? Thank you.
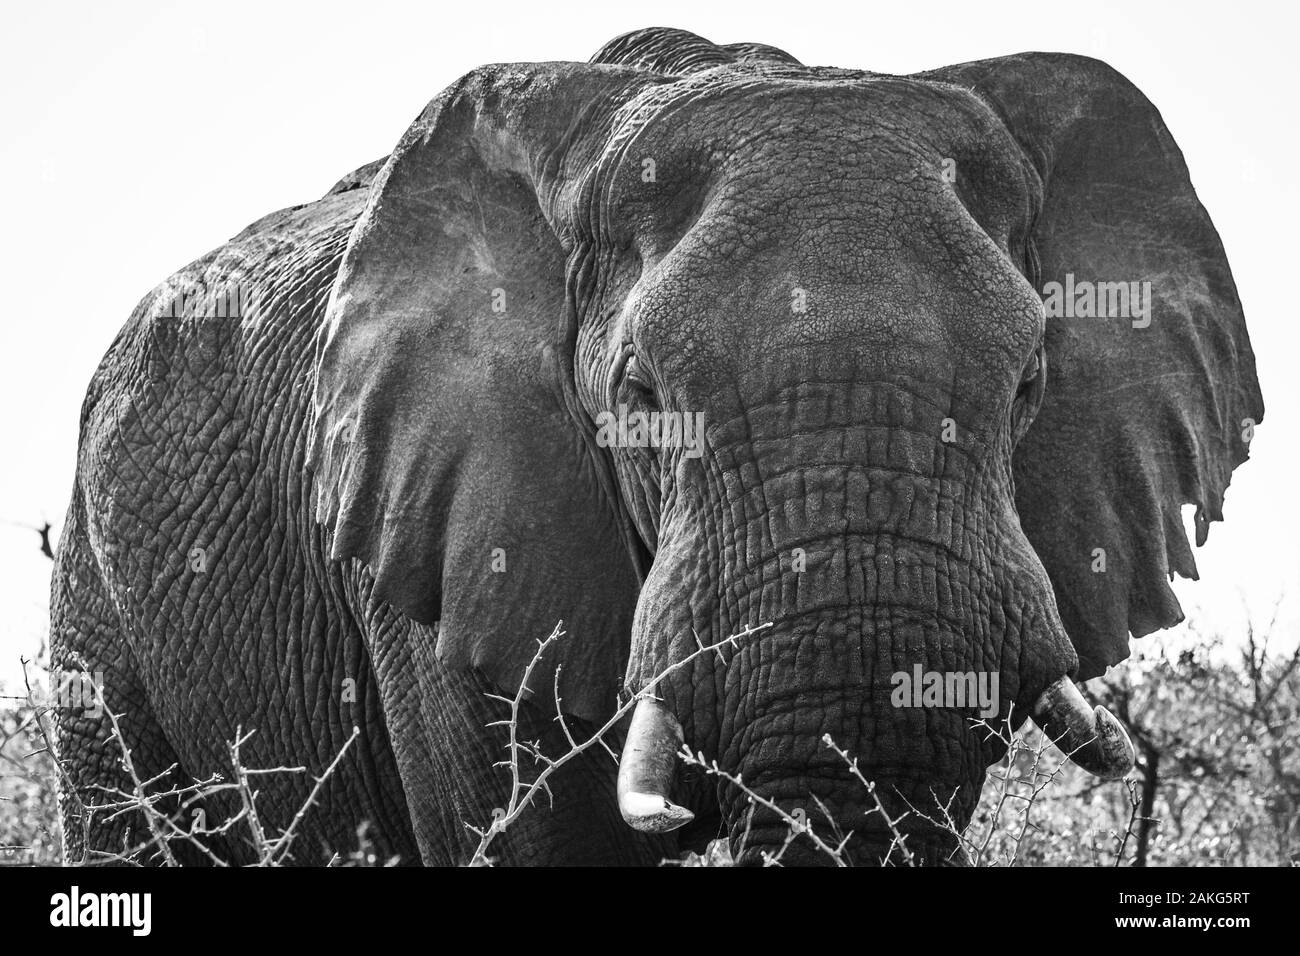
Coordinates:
(647, 769)
(1092, 738)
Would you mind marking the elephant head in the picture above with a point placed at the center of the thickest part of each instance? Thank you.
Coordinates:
(905, 462)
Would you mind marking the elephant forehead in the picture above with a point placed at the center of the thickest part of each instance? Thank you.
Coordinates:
(880, 215)
(878, 285)
(675, 148)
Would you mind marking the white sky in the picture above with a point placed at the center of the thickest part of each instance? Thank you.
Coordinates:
(137, 136)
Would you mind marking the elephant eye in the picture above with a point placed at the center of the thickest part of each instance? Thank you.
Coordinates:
(1029, 395)
(637, 382)
(1030, 374)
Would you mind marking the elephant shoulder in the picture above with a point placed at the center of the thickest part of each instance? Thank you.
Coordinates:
(232, 329)
(262, 288)
(359, 178)
(203, 394)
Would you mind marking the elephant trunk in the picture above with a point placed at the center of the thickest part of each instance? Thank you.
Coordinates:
(1092, 738)
(647, 770)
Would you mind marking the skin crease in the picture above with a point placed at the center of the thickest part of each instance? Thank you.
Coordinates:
(866, 342)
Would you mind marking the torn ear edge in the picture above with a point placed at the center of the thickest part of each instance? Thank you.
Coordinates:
(1142, 417)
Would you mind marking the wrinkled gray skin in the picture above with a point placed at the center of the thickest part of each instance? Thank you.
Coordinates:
(352, 452)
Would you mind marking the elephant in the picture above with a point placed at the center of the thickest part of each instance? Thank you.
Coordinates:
(738, 368)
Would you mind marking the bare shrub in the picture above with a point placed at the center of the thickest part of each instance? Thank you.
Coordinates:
(1217, 781)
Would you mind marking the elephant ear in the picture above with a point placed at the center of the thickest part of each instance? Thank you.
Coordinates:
(448, 452)
(1138, 419)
